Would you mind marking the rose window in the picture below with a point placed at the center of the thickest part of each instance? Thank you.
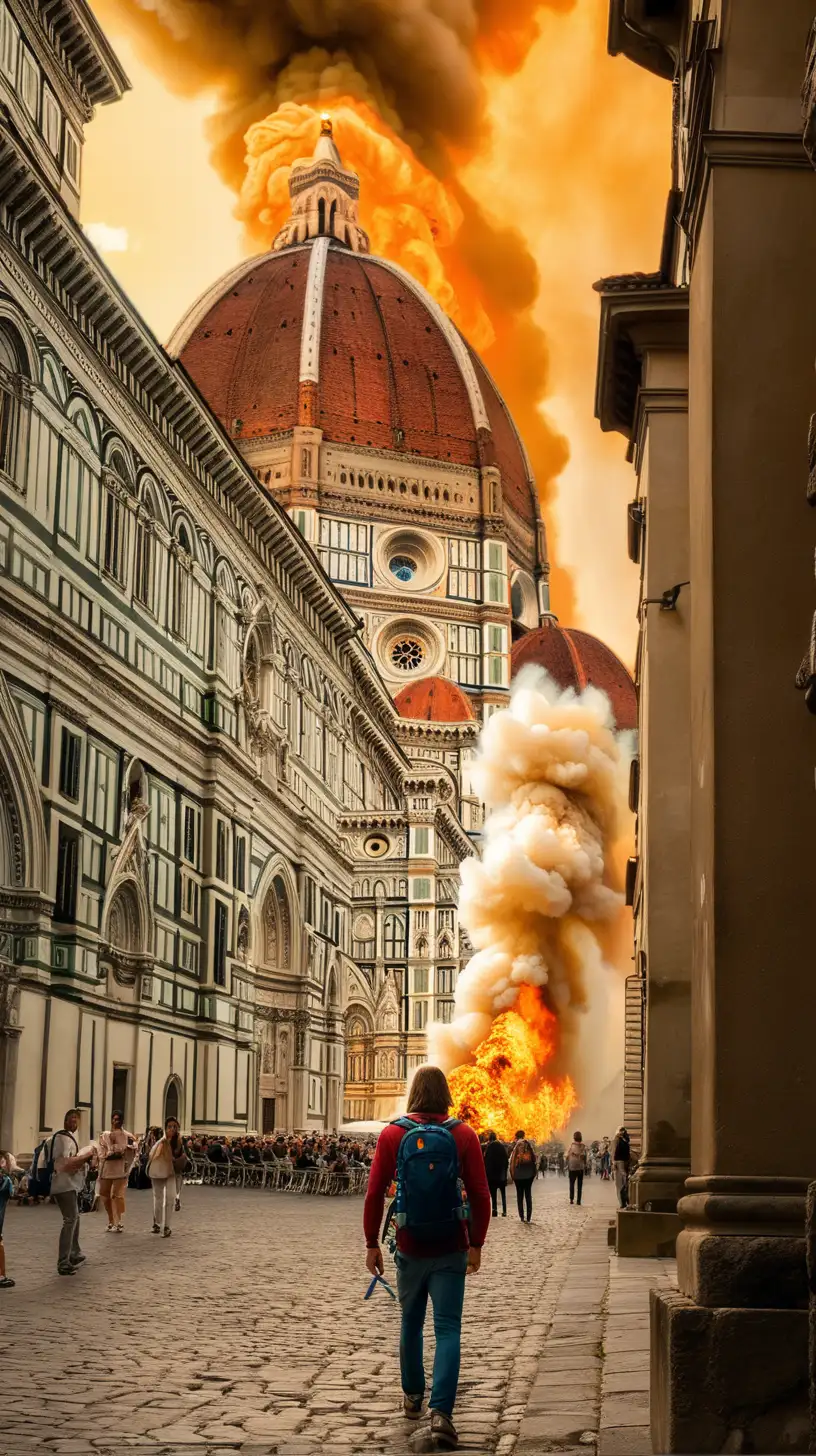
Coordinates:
(402, 567)
(407, 654)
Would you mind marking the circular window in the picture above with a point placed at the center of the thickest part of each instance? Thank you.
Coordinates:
(407, 654)
(376, 846)
(402, 567)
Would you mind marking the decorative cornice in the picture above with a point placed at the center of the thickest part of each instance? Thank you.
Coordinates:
(633, 320)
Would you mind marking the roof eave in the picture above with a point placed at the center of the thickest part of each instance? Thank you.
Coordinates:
(630, 316)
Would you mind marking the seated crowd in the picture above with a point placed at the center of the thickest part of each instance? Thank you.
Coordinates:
(331, 1152)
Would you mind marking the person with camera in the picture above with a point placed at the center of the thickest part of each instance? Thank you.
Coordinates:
(166, 1158)
(67, 1181)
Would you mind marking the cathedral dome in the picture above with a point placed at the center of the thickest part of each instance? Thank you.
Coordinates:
(319, 333)
(434, 700)
(577, 660)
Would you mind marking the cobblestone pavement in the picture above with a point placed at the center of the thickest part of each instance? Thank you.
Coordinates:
(246, 1331)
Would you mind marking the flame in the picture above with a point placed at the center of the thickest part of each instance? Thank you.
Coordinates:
(410, 215)
(505, 1087)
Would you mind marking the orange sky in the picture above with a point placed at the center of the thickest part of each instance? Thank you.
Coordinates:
(578, 161)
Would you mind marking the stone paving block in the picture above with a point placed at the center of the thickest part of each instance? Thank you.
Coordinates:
(625, 1441)
(632, 1380)
(631, 1409)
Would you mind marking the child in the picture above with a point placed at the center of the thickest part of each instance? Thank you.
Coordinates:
(6, 1190)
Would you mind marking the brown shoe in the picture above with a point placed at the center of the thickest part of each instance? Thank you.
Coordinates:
(412, 1407)
(443, 1432)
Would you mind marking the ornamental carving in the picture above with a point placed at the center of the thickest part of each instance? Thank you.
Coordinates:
(9, 1000)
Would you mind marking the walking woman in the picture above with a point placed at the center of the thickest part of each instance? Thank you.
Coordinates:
(165, 1159)
(523, 1171)
(496, 1161)
(117, 1149)
(576, 1166)
(6, 1190)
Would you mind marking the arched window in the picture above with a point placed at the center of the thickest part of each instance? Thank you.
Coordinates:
(115, 494)
(13, 407)
(180, 574)
(321, 216)
(277, 927)
(172, 1100)
(143, 588)
(333, 218)
(394, 937)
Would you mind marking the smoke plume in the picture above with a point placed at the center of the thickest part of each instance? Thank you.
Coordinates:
(541, 902)
(406, 81)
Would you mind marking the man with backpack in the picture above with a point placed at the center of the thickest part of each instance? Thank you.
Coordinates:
(523, 1171)
(67, 1178)
(442, 1214)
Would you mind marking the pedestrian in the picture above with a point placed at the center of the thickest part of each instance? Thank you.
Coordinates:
(117, 1150)
(621, 1159)
(165, 1159)
(67, 1181)
(576, 1167)
(496, 1162)
(179, 1170)
(434, 1157)
(6, 1190)
(523, 1171)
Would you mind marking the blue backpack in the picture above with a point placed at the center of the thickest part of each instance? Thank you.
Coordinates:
(430, 1200)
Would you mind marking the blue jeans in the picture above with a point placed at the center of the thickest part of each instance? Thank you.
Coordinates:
(443, 1278)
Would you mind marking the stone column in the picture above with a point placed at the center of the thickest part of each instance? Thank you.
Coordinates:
(300, 1070)
(729, 1350)
(663, 923)
(645, 323)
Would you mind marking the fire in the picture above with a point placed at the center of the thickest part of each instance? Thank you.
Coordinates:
(411, 216)
(480, 273)
(505, 1088)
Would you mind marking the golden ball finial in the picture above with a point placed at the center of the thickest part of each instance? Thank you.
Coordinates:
(325, 124)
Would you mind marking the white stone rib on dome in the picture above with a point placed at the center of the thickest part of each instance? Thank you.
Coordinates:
(313, 312)
(457, 344)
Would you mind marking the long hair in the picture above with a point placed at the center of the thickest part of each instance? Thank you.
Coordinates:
(429, 1091)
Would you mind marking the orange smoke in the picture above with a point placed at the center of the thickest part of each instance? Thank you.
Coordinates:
(410, 215)
(506, 1087)
(408, 86)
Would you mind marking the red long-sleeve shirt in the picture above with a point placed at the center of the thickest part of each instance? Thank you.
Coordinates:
(471, 1169)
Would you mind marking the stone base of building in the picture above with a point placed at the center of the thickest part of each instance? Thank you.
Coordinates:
(646, 1235)
(727, 1379)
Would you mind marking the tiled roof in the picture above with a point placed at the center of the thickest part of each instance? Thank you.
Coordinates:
(576, 659)
(434, 699)
(388, 376)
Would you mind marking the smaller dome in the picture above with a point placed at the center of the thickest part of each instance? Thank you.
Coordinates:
(434, 699)
(577, 660)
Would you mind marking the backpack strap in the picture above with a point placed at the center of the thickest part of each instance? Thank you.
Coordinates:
(451, 1122)
(406, 1123)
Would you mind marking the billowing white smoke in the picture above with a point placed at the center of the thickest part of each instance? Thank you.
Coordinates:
(540, 905)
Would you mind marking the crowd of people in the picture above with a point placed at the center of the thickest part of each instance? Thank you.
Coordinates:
(521, 1162)
(78, 1180)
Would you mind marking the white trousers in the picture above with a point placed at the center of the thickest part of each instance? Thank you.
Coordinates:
(179, 1177)
(163, 1193)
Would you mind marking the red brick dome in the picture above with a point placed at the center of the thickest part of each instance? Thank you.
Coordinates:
(575, 660)
(317, 334)
(434, 699)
